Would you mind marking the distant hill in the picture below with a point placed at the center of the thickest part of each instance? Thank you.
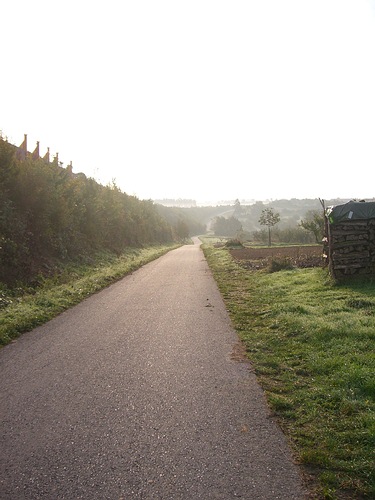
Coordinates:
(291, 211)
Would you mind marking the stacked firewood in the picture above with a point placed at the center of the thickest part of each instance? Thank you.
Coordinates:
(351, 246)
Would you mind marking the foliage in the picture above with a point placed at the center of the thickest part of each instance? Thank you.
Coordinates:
(237, 209)
(234, 243)
(290, 235)
(291, 212)
(183, 221)
(269, 218)
(311, 345)
(49, 215)
(288, 230)
(314, 222)
(229, 227)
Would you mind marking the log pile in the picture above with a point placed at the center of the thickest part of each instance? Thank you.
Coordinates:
(351, 248)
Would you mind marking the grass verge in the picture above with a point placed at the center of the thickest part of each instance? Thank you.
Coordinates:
(311, 343)
(24, 308)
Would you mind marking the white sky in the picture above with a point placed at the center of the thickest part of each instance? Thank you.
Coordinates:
(204, 99)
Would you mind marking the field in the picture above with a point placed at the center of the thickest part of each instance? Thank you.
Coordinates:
(295, 256)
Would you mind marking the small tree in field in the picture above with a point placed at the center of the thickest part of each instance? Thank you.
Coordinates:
(269, 218)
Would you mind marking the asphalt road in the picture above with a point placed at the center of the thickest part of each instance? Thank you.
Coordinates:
(139, 392)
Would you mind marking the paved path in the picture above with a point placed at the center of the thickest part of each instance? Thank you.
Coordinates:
(137, 393)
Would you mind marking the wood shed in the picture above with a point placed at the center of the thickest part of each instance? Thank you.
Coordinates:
(350, 245)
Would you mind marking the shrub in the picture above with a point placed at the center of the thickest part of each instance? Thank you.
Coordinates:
(280, 264)
(233, 243)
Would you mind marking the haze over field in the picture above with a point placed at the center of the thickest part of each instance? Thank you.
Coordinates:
(208, 100)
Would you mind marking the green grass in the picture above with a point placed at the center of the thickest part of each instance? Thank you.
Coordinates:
(311, 343)
(24, 308)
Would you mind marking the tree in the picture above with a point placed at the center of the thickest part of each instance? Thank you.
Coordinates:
(237, 209)
(314, 222)
(182, 229)
(269, 218)
(226, 227)
(49, 215)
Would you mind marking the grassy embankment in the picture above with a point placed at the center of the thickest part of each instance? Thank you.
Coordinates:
(24, 308)
(311, 343)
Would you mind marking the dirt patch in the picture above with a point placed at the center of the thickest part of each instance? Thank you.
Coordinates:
(298, 256)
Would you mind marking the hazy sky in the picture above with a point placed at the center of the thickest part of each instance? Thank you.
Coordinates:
(203, 99)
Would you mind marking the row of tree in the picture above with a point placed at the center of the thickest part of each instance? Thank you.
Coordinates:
(48, 213)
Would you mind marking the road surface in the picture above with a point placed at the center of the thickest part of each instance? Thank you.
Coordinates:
(139, 393)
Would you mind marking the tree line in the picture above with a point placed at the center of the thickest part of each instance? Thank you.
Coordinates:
(49, 214)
